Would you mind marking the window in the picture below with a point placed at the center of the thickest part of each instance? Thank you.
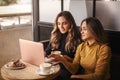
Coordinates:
(46, 11)
(19, 12)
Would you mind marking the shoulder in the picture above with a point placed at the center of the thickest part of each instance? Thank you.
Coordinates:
(104, 47)
(81, 45)
(104, 50)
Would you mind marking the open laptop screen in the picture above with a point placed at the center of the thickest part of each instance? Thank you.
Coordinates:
(31, 52)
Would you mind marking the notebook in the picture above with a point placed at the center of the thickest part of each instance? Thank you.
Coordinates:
(31, 52)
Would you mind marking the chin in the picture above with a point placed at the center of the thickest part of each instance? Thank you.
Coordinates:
(83, 39)
(63, 32)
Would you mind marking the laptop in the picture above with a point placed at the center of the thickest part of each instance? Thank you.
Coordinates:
(31, 52)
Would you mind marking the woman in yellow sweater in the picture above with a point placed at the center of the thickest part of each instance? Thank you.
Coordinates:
(93, 55)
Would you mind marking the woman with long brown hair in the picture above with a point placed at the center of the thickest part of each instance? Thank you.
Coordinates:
(65, 37)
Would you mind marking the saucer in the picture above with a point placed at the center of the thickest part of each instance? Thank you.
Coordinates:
(44, 74)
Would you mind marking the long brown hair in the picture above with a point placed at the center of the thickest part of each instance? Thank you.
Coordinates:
(96, 28)
(73, 37)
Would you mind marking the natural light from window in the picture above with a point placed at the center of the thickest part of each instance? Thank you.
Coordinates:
(15, 14)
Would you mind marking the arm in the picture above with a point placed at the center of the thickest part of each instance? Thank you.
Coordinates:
(68, 58)
(70, 66)
(102, 66)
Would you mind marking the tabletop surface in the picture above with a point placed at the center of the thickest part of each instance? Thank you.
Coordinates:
(29, 73)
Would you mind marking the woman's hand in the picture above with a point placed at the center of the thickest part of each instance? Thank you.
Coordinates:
(57, 58)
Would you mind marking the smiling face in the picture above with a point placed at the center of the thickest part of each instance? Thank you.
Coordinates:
(63, 25)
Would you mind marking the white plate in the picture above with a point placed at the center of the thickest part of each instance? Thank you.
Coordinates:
(52, 71)
(14, 68)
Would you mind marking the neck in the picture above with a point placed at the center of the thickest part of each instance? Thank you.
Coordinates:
(91, 41)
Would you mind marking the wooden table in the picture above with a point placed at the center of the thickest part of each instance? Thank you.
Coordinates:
(28, 73)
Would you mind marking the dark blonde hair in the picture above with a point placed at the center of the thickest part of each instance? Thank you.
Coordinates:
(73, 37)
(96, 28)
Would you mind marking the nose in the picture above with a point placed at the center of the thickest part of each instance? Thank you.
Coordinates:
(81, 32)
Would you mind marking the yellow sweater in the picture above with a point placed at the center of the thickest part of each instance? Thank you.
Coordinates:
(95, 59)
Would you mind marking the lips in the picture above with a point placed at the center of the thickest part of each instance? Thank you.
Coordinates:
(62, 31)
(82, 35)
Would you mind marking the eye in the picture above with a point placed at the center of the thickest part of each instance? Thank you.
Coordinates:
(84, 29)
(58, 23)
(64, 23)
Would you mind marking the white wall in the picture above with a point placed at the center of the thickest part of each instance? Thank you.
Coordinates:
(79, 10)
(109, 14)
(50, 8)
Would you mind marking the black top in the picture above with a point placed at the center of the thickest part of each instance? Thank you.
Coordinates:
(61, 47)
(64, 72)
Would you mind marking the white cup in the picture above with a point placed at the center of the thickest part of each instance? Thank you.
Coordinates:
(56, 52)
(45, 67)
